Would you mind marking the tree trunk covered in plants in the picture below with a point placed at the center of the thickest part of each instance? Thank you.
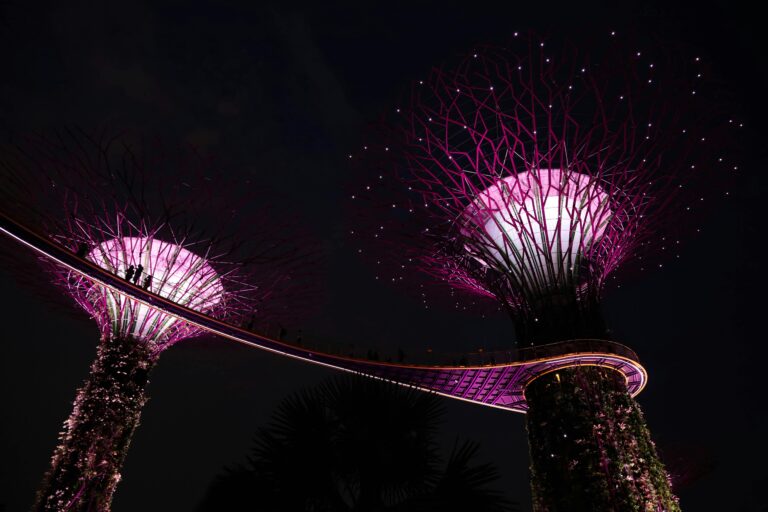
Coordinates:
(590, 448)
(85, 468)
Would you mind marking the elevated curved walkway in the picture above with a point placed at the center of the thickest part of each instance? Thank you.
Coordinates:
(496, 380)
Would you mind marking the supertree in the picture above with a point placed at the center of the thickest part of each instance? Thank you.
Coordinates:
(528, 174)
(146, 216)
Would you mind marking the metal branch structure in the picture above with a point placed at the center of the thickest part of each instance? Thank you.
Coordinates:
(93, 197)
(529, 174)
(166, 269)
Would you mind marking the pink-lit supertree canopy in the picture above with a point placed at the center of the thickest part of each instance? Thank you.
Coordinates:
(167, 269)
(529, 174)
(145, 216)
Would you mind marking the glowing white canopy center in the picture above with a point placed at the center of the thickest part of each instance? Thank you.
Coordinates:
(537, 225)
(165, 269)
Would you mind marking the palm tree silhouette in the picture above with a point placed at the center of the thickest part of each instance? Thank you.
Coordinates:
(356, 445)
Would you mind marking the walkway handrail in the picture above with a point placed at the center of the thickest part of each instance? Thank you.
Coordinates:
(490, 382)
(94, 272)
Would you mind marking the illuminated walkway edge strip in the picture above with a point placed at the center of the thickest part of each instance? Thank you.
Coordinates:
(494, 385)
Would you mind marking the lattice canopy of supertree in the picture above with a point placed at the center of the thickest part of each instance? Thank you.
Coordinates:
(166, 269)
(529, 174)
(159, 220)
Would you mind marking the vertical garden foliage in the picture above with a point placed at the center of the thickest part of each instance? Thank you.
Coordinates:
(590, 448)
(85, 468)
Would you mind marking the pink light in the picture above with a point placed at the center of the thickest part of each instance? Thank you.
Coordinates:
(168, 270)
(537, 224)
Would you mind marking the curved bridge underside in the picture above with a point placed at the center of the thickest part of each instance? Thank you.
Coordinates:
(494, 385)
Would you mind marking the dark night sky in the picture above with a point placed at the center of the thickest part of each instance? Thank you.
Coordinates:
(281, 94)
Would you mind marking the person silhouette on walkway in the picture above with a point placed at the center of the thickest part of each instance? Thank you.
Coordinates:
(129, 273)
(147, 282)
(82, 250)
(137, 276)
